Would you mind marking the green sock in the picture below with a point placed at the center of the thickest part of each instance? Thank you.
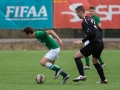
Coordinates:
(63, 73)
(51, 66)
(54, 67)
(87, 60)
(100, 60)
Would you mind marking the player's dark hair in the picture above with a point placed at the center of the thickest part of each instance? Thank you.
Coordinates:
(28, 30)
(92, 7)
(80, 8)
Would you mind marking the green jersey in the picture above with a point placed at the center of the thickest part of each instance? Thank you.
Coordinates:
(45, 39)
(96, 18)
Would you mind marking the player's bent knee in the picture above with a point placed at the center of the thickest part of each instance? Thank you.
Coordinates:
(76, 55)
(42, 63)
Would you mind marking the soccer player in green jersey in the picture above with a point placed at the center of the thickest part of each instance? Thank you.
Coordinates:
(49, 59)
(97, 20)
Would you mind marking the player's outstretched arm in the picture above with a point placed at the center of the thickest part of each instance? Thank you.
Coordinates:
(51, 32)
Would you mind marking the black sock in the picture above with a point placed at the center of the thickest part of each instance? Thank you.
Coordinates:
(79, 66)
(100, 71)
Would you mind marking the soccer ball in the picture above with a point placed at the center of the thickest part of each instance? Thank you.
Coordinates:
(40, 78)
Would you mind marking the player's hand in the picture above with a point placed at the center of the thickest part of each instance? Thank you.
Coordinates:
(77, 41)
(60, 43)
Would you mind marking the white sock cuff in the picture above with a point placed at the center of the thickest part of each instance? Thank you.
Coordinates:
(48, 65)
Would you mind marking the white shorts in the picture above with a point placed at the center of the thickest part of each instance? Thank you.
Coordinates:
(52, 54)
(86, 43)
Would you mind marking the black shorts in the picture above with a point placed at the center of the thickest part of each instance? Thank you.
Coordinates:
(93, 49)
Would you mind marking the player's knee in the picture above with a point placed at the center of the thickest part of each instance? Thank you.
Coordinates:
(42, 63)
(76, 56)
(94, 60)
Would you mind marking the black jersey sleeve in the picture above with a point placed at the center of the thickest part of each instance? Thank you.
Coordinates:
(86, 27)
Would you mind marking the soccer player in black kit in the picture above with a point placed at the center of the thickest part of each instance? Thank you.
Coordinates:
(94, 48)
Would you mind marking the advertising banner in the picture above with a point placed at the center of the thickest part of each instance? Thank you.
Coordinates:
(107, 10)
(17, 14)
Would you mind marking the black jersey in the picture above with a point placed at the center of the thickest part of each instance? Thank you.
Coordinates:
(92, 30)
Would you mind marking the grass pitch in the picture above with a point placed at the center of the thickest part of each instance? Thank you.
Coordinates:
(18, 70)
